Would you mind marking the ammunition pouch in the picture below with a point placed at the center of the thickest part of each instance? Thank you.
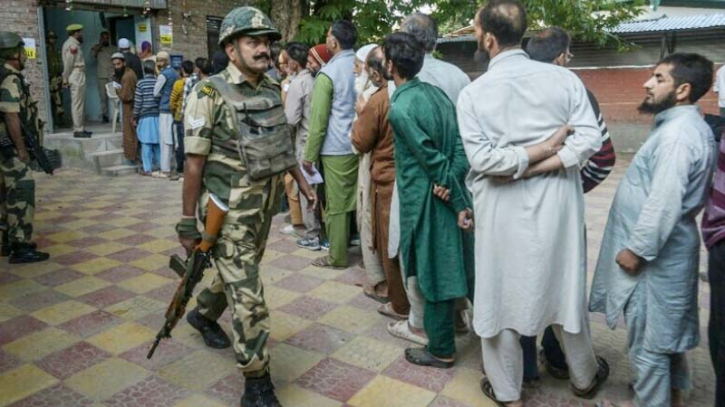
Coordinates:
(263, 145)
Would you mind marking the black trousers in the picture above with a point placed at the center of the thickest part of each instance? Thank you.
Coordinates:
(180, 155)
(716, 327)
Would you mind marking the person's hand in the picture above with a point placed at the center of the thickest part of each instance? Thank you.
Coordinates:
(311, 196)
(65, 83)
(23, 155)
(629, 262)
(442, 192)
(134, 123)
(559, 136)
(360, 104)
(188, 244)
(308, 167)
(465, 220)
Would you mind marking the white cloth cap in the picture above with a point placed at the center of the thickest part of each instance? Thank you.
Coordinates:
(124, 43)
(362, 53)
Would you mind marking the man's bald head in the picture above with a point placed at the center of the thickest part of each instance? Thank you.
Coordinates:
(422, 27)
(505, 20)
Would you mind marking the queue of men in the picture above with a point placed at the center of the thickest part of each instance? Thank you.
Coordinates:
(469, 206)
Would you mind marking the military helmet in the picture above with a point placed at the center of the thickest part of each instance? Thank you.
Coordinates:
(10, 44)
(249, 21)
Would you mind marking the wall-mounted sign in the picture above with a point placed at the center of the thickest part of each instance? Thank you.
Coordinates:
(166, 34)
(30, 49)
(142, 27)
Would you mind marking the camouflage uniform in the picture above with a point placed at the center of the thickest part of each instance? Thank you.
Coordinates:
(19, 186)
(252, 204)
(55, 75)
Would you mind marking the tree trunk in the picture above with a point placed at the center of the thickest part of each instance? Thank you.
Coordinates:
(287, 15)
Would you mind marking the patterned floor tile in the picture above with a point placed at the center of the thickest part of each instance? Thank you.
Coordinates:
(8, 361)
(350, 319)
(151, 392)
(308, 308)
(91, 324)
(7, 278)
(136, 307)
(354, 277)
(426, 377)
(368, 354)
(336, 380)
(295, 396)
(386, 391)
(58, 277)
(228, 390)
(289, 362)
(335, 292)
(443, 401)
(96, 266)
(106, 296)
(62, 312)
(277, 297)
(199, 400)
(69, 361)
(8, 312)
(465, 387)
(158, 245)
(128, 255)
(82, 286)
(55, 396)
(19, 327)
(299, 283)
(165, 292)
(40, 344)
(185, 372)
(321, 338)
(21, 382)
(76, 257)
(325, 274)
(107, 378)
(106, 248)
(144, 283)
(290, 262)
(167, 352)
(285, 325)
(150, 263)
(121, 338)
(38, 300)
(19, 288)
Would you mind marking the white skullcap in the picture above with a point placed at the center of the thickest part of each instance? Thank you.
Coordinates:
(362, 53)
(124, 43)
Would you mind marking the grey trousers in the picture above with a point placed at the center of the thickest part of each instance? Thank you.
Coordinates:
(656, 373)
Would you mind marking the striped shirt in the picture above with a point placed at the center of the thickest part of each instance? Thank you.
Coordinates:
(145, 103)
(601, 163)
(188, 85)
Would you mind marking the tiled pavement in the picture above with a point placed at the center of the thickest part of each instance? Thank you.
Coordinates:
(74, 331)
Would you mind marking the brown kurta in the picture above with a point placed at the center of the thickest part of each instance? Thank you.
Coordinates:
(126, 93)
(372, 133)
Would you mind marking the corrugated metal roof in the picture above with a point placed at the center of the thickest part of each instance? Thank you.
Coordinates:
(672, 24)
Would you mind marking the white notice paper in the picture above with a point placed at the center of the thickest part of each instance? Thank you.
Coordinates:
(315, 178)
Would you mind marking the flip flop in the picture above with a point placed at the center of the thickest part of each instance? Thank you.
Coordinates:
(601, 377)
(324, 262)
(422, 357)
(387, 310)
(487, 389)
(401, 329)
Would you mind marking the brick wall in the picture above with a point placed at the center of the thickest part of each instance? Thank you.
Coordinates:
(619, 92)
(21, 17)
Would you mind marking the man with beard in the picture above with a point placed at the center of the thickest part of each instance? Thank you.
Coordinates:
(528, 205)
(331, 115)
(318, 58)
(214, 166)
(372, 135)
(648, 263)
(132, 60)
(104, 70)
(164, 85)
(127, 78)
(74, 76)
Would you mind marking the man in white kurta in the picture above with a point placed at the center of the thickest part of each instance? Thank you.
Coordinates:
(530, 248)
(648, 263)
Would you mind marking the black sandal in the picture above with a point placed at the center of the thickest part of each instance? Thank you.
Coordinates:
(422, 357)
(487, 389)
(555, 372)
(601, 377)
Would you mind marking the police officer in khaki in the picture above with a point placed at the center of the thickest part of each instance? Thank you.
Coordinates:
(74, 76)
(241, 105)
(17, 187)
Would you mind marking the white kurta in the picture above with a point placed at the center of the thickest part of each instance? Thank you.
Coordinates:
(530, 248)
(653, 215)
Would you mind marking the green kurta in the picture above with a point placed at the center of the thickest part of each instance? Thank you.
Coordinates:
(428, 151)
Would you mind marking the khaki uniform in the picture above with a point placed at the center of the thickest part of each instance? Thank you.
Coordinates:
(104, 74)
(74, 72)
(17, 203)
(252, 204)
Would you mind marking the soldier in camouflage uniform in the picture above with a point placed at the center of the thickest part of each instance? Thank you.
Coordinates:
(17, 109)
(55, 76)
(214, 165)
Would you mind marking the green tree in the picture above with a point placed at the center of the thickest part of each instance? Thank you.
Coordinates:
(588, 20)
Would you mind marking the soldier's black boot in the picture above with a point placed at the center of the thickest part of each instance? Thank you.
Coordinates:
(26, 253)
(5, 244)
(81, 134)
(213, 334)
(259, 393)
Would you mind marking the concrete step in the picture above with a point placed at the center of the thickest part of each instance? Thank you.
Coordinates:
(118, 170)
(109, 158)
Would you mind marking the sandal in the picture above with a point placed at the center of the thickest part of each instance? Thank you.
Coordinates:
(487, 389)
(373, 295)
(555, 372)
(388, 311)
(422, 357)
(599, 379)
(401, 329)
(324, 262)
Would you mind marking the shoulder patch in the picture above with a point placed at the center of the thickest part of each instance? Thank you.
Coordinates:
(207, 90)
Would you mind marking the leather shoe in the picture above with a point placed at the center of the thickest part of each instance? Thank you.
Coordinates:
(259, 393)
(213, 334)
(26, 253)
(81, 134)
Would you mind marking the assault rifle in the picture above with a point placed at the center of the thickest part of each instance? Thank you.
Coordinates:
(192, 270)
(35, 151)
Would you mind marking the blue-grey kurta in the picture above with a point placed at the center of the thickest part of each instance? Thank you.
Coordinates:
(428, 151)
(653, 215)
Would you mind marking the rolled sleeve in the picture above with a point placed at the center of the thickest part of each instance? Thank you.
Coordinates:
(568, 157)
(198, 123)
(10, 95)
(523, 161)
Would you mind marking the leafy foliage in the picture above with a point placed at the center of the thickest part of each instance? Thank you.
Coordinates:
(587, 20)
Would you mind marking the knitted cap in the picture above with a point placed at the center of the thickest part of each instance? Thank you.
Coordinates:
(321, 54)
